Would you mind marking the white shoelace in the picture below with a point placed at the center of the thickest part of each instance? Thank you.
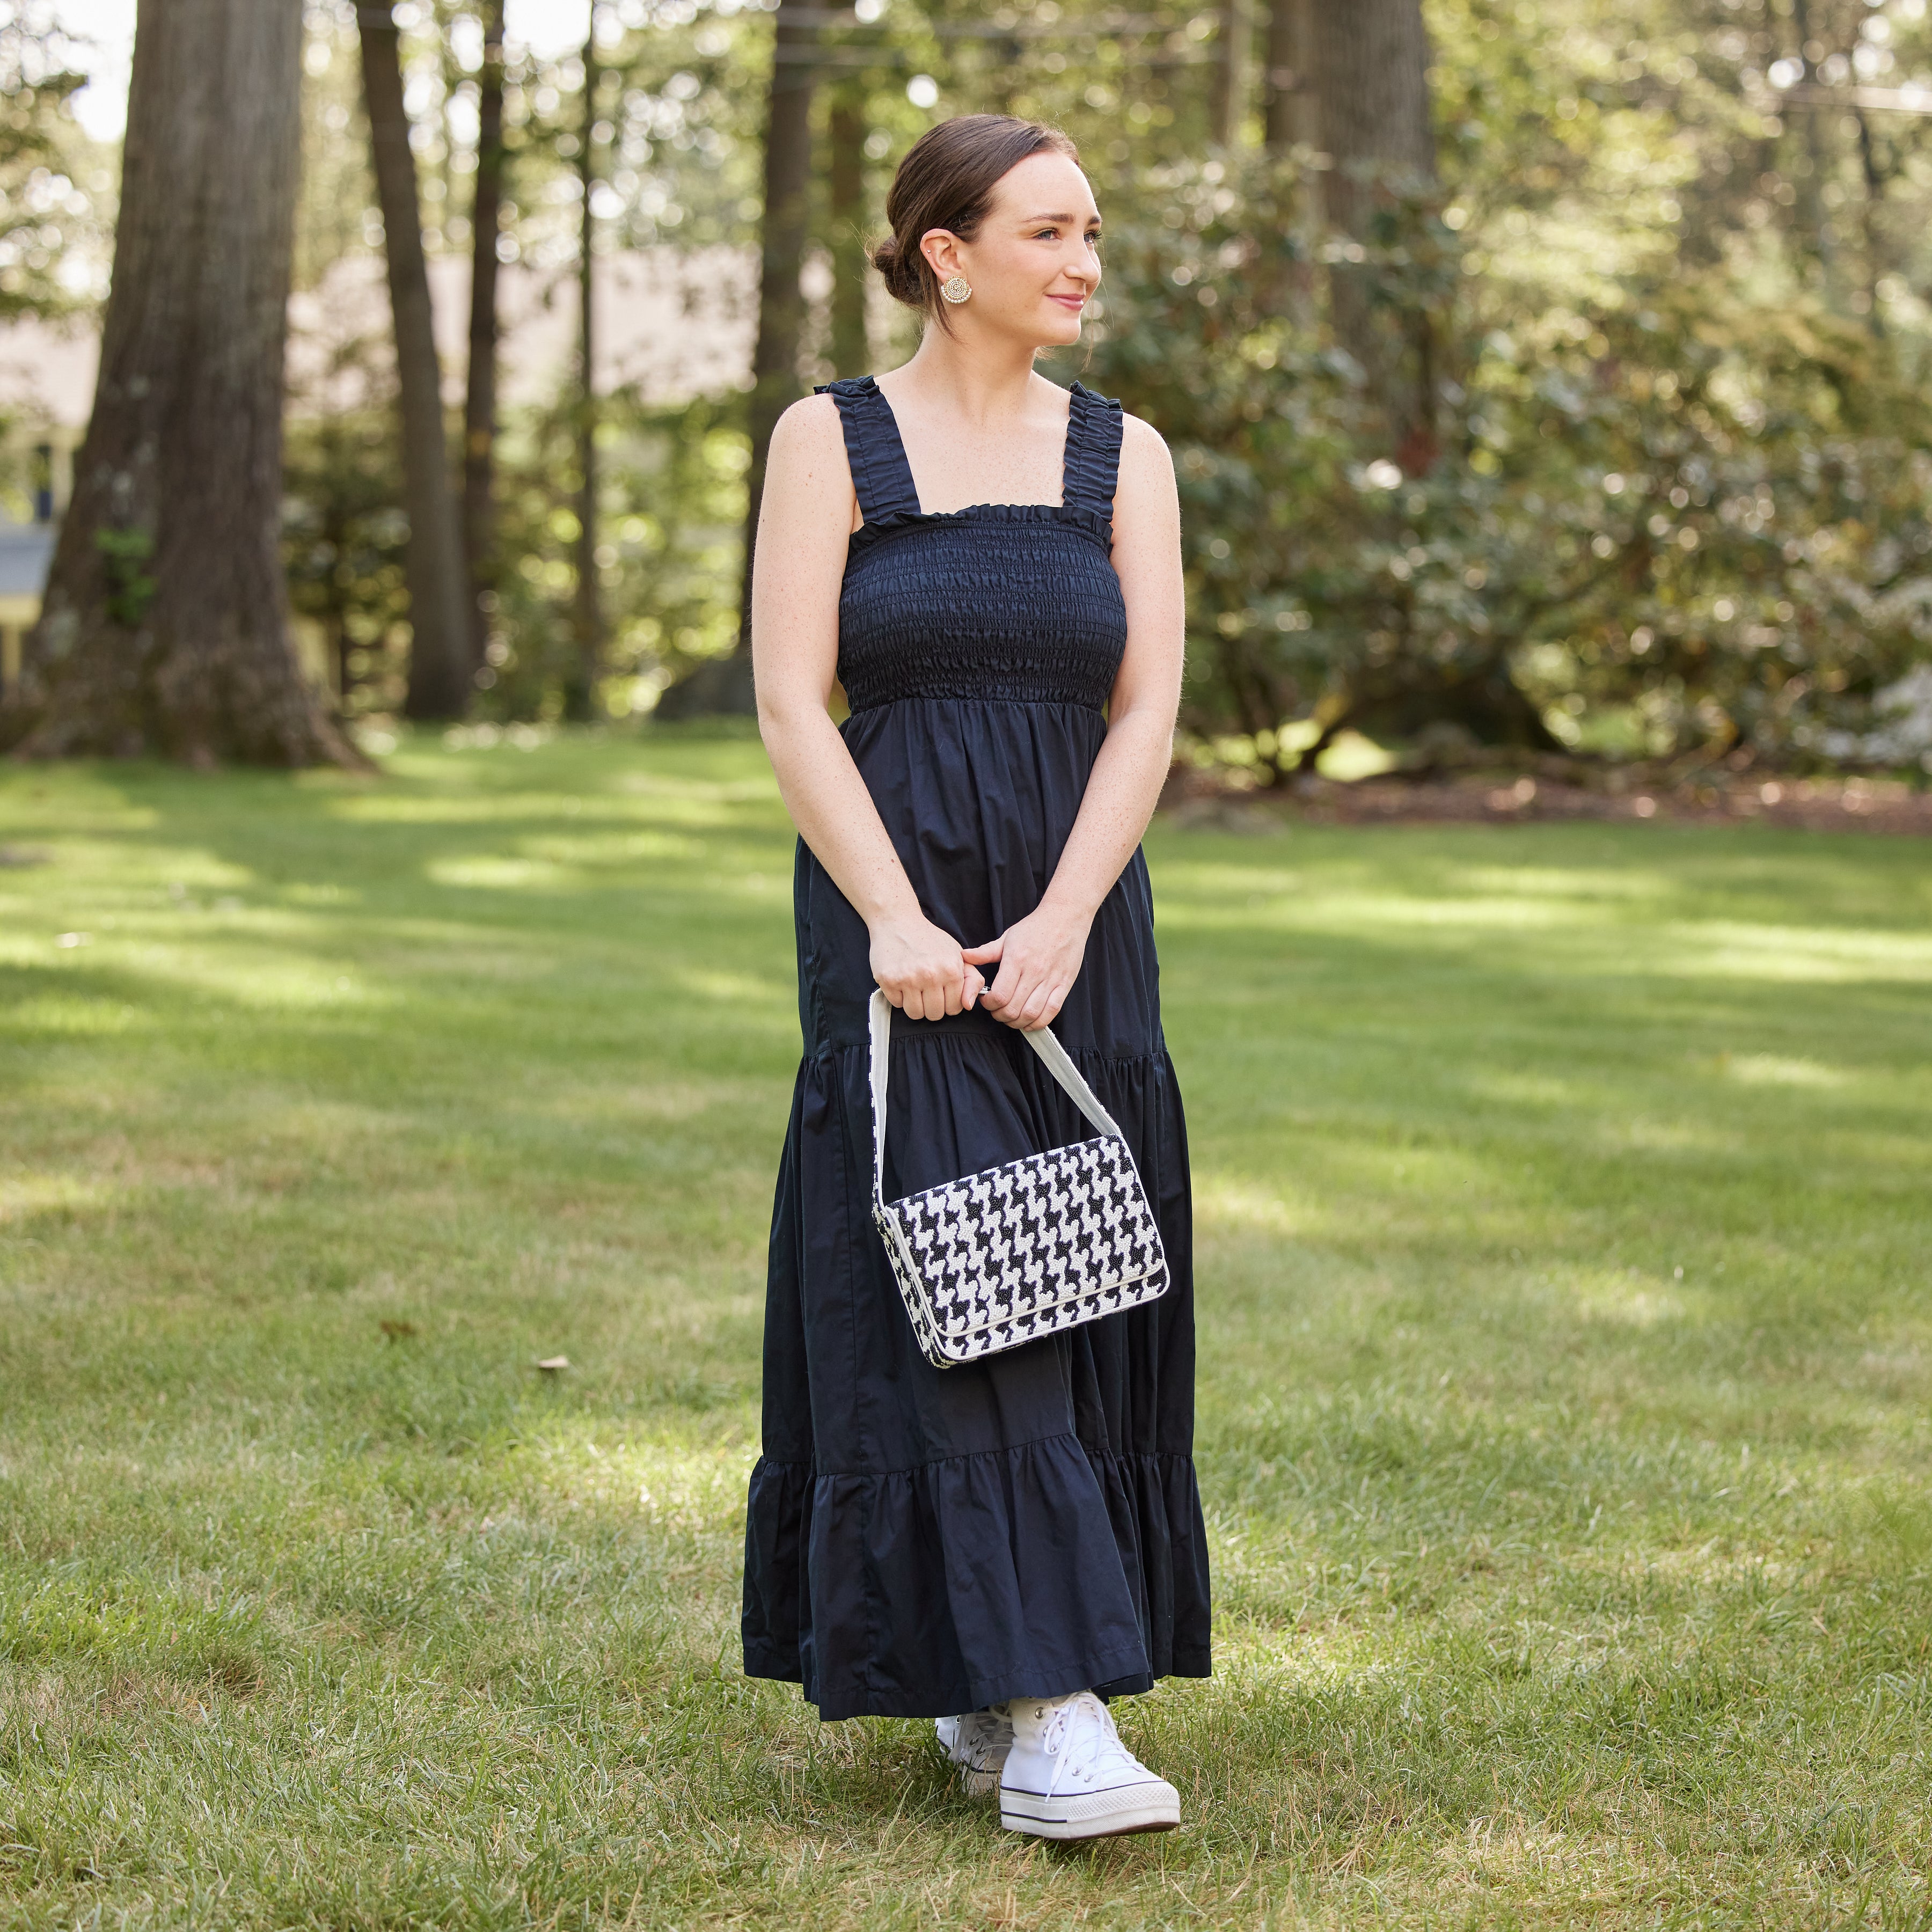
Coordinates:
(1081, 1739)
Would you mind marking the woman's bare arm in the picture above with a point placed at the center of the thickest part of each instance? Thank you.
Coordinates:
(804, 524)
(1039, 956)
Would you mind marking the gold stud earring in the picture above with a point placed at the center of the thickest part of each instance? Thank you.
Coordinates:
(956, 290)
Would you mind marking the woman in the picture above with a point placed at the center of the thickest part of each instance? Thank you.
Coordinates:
(990, 568)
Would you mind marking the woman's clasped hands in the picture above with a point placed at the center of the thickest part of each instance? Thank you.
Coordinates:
(927, 974)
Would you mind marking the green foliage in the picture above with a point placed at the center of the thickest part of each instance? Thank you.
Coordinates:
(47, 218)
(343, 537)
(677, 153)
(124, 557)
(672, 500)
(1565, 1358)
(671, 486)
(1667, 503)
(678, 161)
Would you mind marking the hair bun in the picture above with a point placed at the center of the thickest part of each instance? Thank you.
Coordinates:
(899, 272)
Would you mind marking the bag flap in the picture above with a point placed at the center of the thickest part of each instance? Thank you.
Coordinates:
(1029, 1237)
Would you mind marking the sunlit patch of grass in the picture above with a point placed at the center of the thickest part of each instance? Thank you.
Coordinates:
(1221, 1202)
(1631, 1301)
(1554, 1584)
(1628, 885)
(70, 1014)
(735, 989)
(1771, 1069)
(59, 1195)
(1823, 956)
(254, 975)
(496, 874)
(618, 849)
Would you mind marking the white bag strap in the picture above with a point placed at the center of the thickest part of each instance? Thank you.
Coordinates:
(1043, 1041)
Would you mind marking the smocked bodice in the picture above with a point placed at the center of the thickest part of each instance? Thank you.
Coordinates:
(1014, 602)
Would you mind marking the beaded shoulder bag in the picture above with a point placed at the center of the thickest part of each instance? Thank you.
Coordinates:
(1006, 1255)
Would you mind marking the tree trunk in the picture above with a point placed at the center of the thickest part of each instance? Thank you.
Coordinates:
(439, 674)
(1004, 59)
(165, 627)
(1875, 178)
(781, 299)
(726, 686)
(1287, 95)
(851, 353)
(579, 688)
(1371, 66)
(1288, 121)
(335, 534)
(479, 401)
(1813, 217)
(1228, 83)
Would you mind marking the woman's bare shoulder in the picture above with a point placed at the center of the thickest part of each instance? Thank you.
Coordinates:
(810, 425)
(1147, 470)
(1143, 446)
(807, 461)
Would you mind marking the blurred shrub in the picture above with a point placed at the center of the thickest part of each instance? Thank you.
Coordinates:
(1664, 519)
(343, 535)
(671, 498)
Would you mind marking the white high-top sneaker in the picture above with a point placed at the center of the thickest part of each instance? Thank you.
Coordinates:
(978, 1743)
(1068, 1776)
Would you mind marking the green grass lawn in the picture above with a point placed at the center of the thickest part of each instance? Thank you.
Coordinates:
(1564, 1199)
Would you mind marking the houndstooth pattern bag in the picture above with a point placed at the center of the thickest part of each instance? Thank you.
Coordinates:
(1006, 1255)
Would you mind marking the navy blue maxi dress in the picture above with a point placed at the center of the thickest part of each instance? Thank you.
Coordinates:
(923, 1541)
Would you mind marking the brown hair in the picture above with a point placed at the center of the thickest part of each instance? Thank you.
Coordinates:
(946, 181)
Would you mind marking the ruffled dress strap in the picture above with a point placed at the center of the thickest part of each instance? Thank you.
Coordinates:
(880, 473)
(1092, 453)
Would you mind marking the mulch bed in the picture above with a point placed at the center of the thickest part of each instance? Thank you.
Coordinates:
(1207, 800)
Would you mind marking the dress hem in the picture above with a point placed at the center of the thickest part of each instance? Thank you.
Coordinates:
(767, 1664)
(1150, 1502)
(1090, 1673)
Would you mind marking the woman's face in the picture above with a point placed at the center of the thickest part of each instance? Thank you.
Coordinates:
(1035, 262)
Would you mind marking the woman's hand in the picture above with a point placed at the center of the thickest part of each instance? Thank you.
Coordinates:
(923, 971)
(1040, 957)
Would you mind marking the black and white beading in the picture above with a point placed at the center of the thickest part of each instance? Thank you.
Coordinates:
(1013, 1253)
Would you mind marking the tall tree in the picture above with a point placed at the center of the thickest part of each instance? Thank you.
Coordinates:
(165, 623)
(587, 609)
(479, 400)
(851, 354)
(1289, 121)
(1227, 96)
(1288, 91)
(1813, 174)
(781, 257)
(726, 686)
(1371, 64)
(440, 680)
(1875, 175)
